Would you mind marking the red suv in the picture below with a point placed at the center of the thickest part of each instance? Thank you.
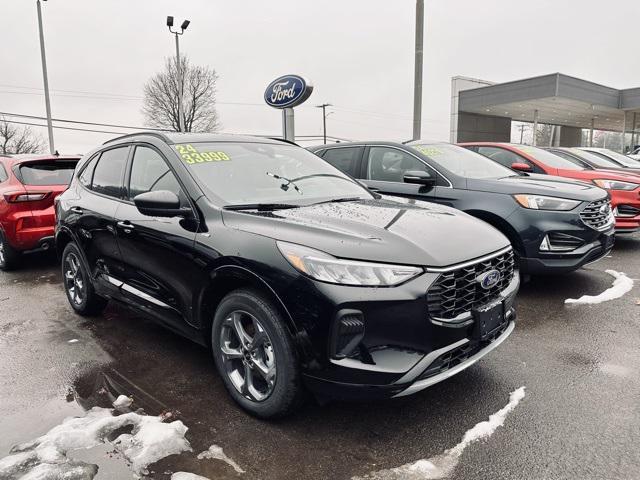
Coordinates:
(624, 188)
(28, 186)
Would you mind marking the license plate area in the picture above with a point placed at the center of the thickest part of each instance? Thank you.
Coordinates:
(488, 318)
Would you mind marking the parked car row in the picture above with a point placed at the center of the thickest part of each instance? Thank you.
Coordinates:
(368, 270)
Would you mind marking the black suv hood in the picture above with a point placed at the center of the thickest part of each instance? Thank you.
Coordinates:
(539, 185)
(403, 231)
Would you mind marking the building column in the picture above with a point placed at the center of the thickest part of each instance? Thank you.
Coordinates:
(593, 121)
(535, 128)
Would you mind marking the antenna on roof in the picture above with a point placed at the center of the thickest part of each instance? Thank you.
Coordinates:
(56, 153)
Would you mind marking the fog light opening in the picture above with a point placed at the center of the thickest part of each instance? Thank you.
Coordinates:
(347, 333)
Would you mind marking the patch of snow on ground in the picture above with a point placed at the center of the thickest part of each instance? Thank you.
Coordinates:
(621, 285)
(46, 457)
(215, 452)
(187, 476)
(442, 465)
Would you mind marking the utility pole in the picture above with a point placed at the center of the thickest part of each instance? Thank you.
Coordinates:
(183, 27)
(45, 78)
(324, 119)
(522, 127)
(417, 81)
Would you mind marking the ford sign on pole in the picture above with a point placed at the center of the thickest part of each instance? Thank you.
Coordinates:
(285, 93)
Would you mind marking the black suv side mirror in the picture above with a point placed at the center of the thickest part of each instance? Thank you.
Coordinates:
(159, 203)
(419, 177)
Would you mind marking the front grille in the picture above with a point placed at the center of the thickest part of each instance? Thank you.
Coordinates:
(563, 242)
(627, 211)
(595, 216)
(457, 291)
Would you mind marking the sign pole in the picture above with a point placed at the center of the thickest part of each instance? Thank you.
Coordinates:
(288, 124)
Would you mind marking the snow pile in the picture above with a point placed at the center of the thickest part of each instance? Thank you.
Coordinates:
(122, 403)
(621, 285)
(443, 465)
(215, 452)
(46, 457)
(187, 476)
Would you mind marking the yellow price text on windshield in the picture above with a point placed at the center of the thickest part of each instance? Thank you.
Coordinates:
(428, 151)
(190, 155)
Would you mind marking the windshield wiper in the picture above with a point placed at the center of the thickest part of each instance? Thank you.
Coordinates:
(340, 200)
(261, 206)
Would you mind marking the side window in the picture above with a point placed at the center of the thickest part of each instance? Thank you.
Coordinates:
(500, 155)
(86, 176)
(107, 176)
(507, 157)
(344, 159)
(3, 174)
(150, 172)
(389, 164)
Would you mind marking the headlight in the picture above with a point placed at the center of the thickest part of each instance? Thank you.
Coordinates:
(326, 268)
(616, 185)
(539, 202)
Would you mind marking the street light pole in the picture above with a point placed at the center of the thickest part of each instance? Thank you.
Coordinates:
(417, 81)
(47, 102)
(179, 71)
(324, 120)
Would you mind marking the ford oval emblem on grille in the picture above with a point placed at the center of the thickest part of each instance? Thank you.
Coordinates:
(489, 279)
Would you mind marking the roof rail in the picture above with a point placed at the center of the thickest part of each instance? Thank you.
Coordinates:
(161, 136)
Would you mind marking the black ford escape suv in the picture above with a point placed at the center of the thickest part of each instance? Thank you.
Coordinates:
(555, 225)
(290, 271)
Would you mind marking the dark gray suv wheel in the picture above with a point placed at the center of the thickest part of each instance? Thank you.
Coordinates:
(254, 354)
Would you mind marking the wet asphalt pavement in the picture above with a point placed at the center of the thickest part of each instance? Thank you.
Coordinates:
(580, 418)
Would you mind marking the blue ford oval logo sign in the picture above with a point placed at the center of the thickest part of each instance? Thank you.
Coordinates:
(287, 91)
(489, 279)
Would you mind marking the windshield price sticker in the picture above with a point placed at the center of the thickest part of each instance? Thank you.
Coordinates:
(190, 155)
(428, 151)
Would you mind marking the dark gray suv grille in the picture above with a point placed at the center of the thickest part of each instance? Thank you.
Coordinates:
(595, 216)
(458, 291)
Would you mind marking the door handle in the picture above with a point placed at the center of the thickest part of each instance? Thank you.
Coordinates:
(77, 210)
(126, 226)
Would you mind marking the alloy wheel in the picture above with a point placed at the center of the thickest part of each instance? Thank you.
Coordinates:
(74, 279)
(248, 355)
(1, 251)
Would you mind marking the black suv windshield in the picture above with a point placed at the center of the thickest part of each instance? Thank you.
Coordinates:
(263, 173)
(463, 162)
(594, 159)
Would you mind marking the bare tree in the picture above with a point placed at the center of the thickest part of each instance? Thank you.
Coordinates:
(199, 98)
(16, 139)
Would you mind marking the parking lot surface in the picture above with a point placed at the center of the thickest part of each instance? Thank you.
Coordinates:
(579, 364)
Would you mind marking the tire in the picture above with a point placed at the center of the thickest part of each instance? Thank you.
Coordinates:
(9, 256)
(77, 283)
(268, 355)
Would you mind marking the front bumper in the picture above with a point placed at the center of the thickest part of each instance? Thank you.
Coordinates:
(534, 225)
(620, 199)
(412, 355)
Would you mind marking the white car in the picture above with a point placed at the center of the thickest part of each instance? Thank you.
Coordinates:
(622, 160)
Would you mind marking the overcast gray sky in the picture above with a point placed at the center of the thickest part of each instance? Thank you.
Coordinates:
(358, 54)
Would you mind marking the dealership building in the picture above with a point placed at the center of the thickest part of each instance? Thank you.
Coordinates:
(483, 111)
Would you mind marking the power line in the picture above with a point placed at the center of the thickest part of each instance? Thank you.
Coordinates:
(63, 128)
(84, 123)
